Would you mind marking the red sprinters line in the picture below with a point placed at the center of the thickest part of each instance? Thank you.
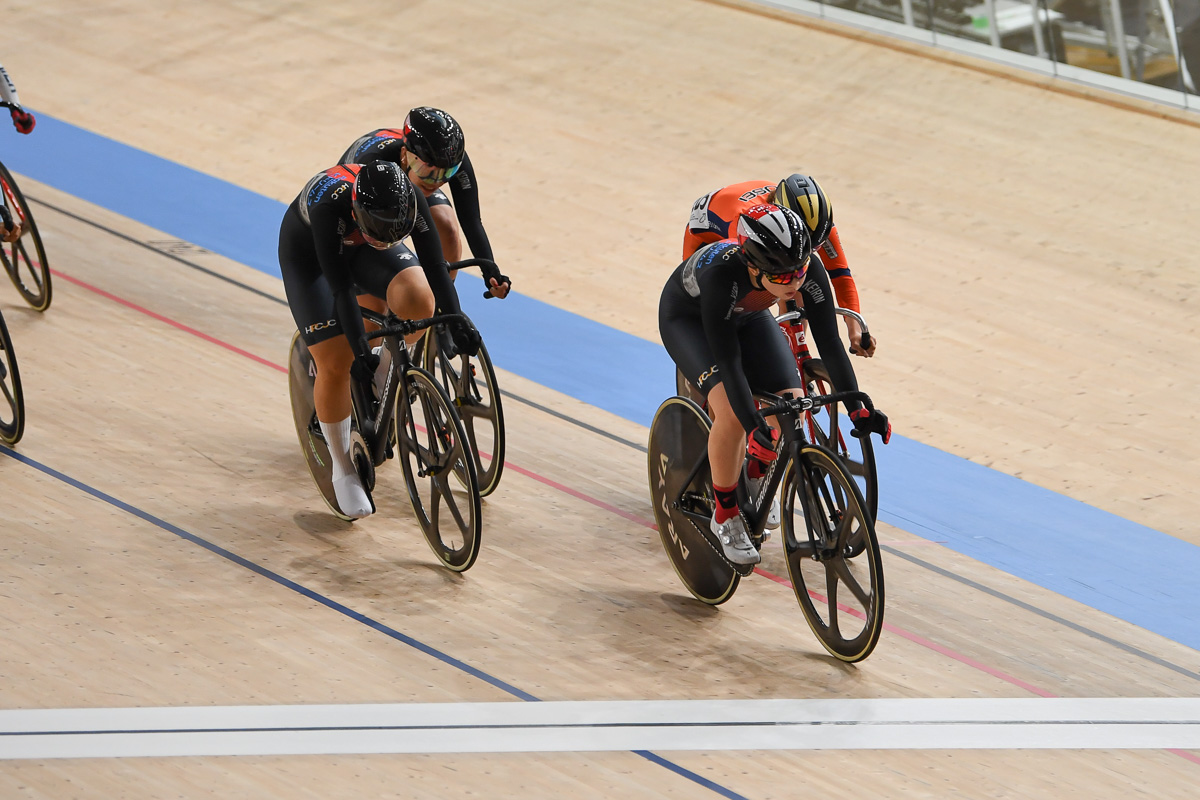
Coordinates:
(169, 321)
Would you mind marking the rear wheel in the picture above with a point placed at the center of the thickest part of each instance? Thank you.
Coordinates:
(24, 259)
(681, 490)
(823, 512)
(471, 383)
(12, 399)
(439, 470)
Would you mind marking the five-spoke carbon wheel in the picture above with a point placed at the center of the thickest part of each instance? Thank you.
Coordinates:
(12, 400)
(823, 514)
(25, 259)
(439, 469)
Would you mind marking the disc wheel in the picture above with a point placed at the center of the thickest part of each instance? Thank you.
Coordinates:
(842, 597)
(25, 259)
(439, 470)
(302, 372)
(830, 426)
(12, 399)
(683, 500)
(470, 381)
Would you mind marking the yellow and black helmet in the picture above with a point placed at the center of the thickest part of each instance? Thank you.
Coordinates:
(805, 196)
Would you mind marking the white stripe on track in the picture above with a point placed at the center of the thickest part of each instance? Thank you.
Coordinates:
(661, 726)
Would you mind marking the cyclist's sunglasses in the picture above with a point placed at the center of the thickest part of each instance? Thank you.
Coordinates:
(428, 174)
(784, 278)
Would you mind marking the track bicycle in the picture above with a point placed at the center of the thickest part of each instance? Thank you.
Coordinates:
(828, 424)
(25, 259)
(12, 403)
(408, 414)
(471, 383)
(829, 539)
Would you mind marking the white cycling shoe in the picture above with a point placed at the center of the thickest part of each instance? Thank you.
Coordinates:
(352, 497)
(735, 541)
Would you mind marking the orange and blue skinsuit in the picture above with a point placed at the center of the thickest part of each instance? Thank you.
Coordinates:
(714, 217)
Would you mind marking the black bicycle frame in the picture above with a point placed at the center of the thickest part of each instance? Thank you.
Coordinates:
(786, 410)
(373, 413)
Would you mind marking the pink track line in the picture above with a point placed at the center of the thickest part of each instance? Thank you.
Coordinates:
(630, 516)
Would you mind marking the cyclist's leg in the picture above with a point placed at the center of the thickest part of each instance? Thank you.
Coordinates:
(312, 305)
(769, 364)
(683, 336)
(394, 276)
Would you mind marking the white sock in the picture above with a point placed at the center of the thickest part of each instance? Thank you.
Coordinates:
(347, 488)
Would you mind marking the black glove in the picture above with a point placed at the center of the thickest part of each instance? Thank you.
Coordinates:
(364, 366)
(868, 422)
(465, 337)
(23, 121)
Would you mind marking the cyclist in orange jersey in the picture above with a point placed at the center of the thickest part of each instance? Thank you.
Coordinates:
(714, 213)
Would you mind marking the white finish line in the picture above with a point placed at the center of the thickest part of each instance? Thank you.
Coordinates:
(718, 725)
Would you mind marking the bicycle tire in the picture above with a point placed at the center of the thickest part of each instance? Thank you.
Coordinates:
(832, 508)
(17, 263)
(301, 373)
(431, 444)
(475, 401)
(12, 421)
(678, 440)
(826, 427)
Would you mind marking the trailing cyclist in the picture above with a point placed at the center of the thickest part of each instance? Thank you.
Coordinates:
(339, 247)
(431, 149)
(714, 213)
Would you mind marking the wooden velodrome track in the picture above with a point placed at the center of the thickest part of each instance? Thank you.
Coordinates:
(1026, 258)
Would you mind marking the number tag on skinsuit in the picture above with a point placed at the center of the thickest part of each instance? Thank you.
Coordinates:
(699, 219)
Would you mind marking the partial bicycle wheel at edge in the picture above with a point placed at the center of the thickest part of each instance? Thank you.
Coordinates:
(842, 596)
(439, 470)
(12, 403)
(30, 274)
(678, 443)
(471, 383)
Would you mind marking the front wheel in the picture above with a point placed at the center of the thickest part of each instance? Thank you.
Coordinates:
(12, 404)
(471, 383)
(823, 516)
(24, 259)
(439, 470)
(681, 490)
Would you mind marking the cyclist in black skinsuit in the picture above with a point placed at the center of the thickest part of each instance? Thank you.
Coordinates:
(339, 247)
(715, 321)
(431, 149)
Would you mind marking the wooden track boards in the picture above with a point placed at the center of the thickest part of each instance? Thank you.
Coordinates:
(1010, 292)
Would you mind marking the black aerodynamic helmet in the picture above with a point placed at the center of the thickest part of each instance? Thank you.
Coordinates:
(805, 196)
(385, 202)
(433, 136)
(774, 239)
